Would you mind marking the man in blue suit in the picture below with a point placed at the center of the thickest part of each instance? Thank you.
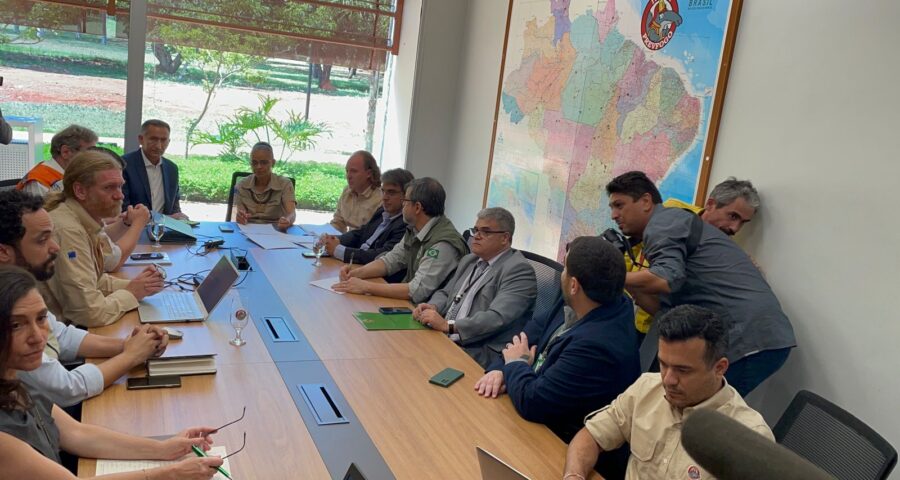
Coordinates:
(151, 179)
(582, 356)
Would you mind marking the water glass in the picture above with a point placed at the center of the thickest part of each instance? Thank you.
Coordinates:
(156, 231)
(239, 318)
(318, 250)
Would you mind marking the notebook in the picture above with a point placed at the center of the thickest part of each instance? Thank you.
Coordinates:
(107, 467)
(380, 321)
(187, 365)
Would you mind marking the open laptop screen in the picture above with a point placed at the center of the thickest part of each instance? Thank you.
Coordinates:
(217, 283)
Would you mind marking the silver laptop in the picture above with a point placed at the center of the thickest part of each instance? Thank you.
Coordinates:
(492, 468)
(190, 306)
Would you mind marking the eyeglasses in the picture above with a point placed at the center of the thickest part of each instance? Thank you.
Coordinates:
(475, 231)
(244, 444)
(406, 200)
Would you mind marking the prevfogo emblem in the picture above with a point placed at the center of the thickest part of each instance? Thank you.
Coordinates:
(659, 22)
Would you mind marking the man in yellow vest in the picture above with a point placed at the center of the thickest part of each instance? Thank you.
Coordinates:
(731, 205)
(48, 175)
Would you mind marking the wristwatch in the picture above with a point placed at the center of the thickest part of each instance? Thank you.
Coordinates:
(451, 331)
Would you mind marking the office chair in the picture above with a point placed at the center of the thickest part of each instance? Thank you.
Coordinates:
(231, 191)
(833, 439)
(547, 272)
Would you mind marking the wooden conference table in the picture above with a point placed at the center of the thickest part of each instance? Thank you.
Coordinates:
(419, 429)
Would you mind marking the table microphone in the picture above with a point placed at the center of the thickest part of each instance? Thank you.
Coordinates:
(731, 451)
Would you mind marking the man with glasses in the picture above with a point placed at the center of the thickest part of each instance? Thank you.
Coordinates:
(48, 175)
(492, 294)
(429, 251)
(151, 179)
(384, 230)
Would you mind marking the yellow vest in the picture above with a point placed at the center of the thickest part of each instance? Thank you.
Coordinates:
(642, 319)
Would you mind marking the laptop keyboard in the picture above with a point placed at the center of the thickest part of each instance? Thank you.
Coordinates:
(180, 306)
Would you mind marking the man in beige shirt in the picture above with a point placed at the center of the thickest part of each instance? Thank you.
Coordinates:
(80, 292)
(650, 413)
(362, 195)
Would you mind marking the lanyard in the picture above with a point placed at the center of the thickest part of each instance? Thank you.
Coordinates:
(470, 283)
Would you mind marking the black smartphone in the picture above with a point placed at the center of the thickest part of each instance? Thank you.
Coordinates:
(147, 256)
(446, 377)
(309, 254)
(394, 310)
(162, 381)
(225, 228)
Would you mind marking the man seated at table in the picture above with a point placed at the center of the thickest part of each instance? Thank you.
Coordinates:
(150, 178)
(649, 414)
(80, 292)
(429, 251)
(26, 241)
(360, 197)
(264, 197)
(491, 295)
(48, 175)
(563, 366)
(384, 230)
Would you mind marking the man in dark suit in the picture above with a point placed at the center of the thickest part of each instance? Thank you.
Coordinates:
(491, 294)
(565, 366)
(384, 230)
(150, 178)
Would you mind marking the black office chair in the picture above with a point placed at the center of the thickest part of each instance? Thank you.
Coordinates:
(231, 191)
(8, 184)
(833, 439)
(547, 272)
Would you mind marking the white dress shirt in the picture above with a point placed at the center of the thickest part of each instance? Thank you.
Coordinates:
(155, 178)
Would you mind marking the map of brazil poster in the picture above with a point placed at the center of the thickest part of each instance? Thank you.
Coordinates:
(592, 89)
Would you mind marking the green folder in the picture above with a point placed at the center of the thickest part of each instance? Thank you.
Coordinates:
(380, 321)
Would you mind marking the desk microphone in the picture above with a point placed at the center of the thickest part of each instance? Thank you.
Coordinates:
(731, 451)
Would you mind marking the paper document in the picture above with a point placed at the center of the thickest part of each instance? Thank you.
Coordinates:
(270, 242)
(318, 230)
(326, 284)
(258, 228)
(106, 467)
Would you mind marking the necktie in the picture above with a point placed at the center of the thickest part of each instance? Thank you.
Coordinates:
(476, 274)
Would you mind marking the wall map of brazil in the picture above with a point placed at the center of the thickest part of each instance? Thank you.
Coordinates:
(592, 89)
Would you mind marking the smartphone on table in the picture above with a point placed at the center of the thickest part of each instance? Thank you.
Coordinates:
(147, 256)
(394, 310)
(161, 381)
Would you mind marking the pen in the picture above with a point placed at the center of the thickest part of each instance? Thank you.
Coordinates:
(351, 259)
(201, 453)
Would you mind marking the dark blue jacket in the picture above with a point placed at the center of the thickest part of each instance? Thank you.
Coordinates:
(137, 186)
(585, 368)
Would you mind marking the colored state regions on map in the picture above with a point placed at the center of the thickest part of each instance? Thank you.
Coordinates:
(591, 99)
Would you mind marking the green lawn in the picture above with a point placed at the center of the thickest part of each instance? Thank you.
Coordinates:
(104, 121)
(207, 179)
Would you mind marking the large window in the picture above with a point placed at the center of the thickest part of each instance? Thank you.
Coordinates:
(224, 75)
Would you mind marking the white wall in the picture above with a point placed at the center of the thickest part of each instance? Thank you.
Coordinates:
(810, 115)
(401, 86)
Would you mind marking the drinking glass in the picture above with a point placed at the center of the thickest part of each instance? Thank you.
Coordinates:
(156, 231)
(318, 250)
(239, 319)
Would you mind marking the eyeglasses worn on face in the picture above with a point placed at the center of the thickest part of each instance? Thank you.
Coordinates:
(475, 231)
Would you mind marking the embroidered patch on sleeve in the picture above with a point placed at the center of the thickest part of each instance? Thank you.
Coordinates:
(71, 254)
(432, 253)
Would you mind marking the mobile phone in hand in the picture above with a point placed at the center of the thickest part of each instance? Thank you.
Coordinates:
(393, 310)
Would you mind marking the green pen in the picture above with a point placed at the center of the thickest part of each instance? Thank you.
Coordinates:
(201, 453)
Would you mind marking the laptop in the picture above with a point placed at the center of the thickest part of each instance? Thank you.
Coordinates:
(492, 468)
(190, 306)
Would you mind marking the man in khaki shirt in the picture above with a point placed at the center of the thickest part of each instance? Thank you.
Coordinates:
(80, 292)
(650, 413)
(361, 196)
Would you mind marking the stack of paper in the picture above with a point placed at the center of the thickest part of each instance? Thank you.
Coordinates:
(267, 237)
(326, 284)
(319, 230)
